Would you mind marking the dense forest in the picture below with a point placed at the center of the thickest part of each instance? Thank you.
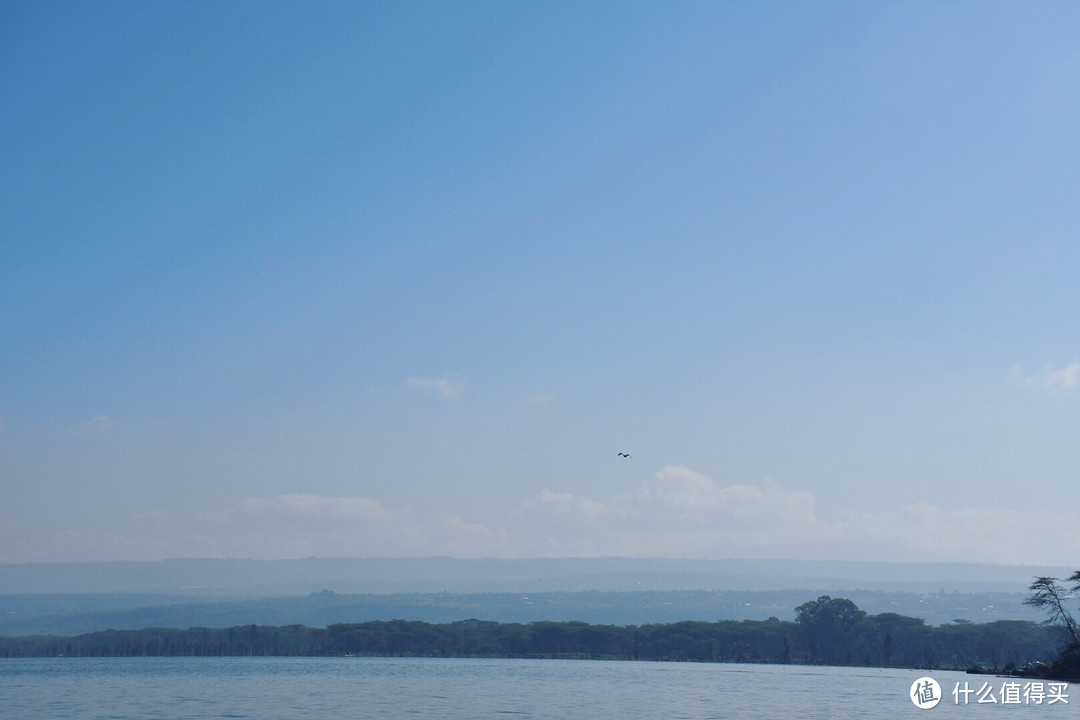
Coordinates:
(831, 631)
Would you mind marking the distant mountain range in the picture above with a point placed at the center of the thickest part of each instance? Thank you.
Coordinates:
(74, 614)
(73, 598)
(439, 574)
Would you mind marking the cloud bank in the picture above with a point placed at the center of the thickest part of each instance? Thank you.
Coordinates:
(1062, 379)
(677, 512)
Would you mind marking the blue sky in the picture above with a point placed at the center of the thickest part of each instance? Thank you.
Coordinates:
(348, 279)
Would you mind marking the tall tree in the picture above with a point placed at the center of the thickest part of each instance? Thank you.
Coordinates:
(830, 627)
(1048, 595)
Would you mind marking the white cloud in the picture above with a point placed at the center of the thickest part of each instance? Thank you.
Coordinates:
(540, 399)
(732, 513)
(304, 525)
(97, 425)
(973, 534)
(678, 487)
(565, 504)
(677, 512)
(314, 506)
(443, 387)
(1066, 378)
(457, 537)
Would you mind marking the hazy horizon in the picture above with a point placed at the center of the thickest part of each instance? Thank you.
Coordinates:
(287, 280)
(248, 577)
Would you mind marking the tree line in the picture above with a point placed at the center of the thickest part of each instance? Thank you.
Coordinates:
(827, 631)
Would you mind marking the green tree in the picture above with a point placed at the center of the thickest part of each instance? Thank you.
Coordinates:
(831, 627)
(1048, 595)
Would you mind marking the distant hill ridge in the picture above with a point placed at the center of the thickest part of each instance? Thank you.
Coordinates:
(77, 613)
(203, 576)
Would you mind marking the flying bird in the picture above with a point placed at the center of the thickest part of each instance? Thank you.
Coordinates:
(625, 455)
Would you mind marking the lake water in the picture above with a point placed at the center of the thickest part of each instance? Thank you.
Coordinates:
(464, 688)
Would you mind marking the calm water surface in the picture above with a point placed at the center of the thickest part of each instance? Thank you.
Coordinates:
(461, 688)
